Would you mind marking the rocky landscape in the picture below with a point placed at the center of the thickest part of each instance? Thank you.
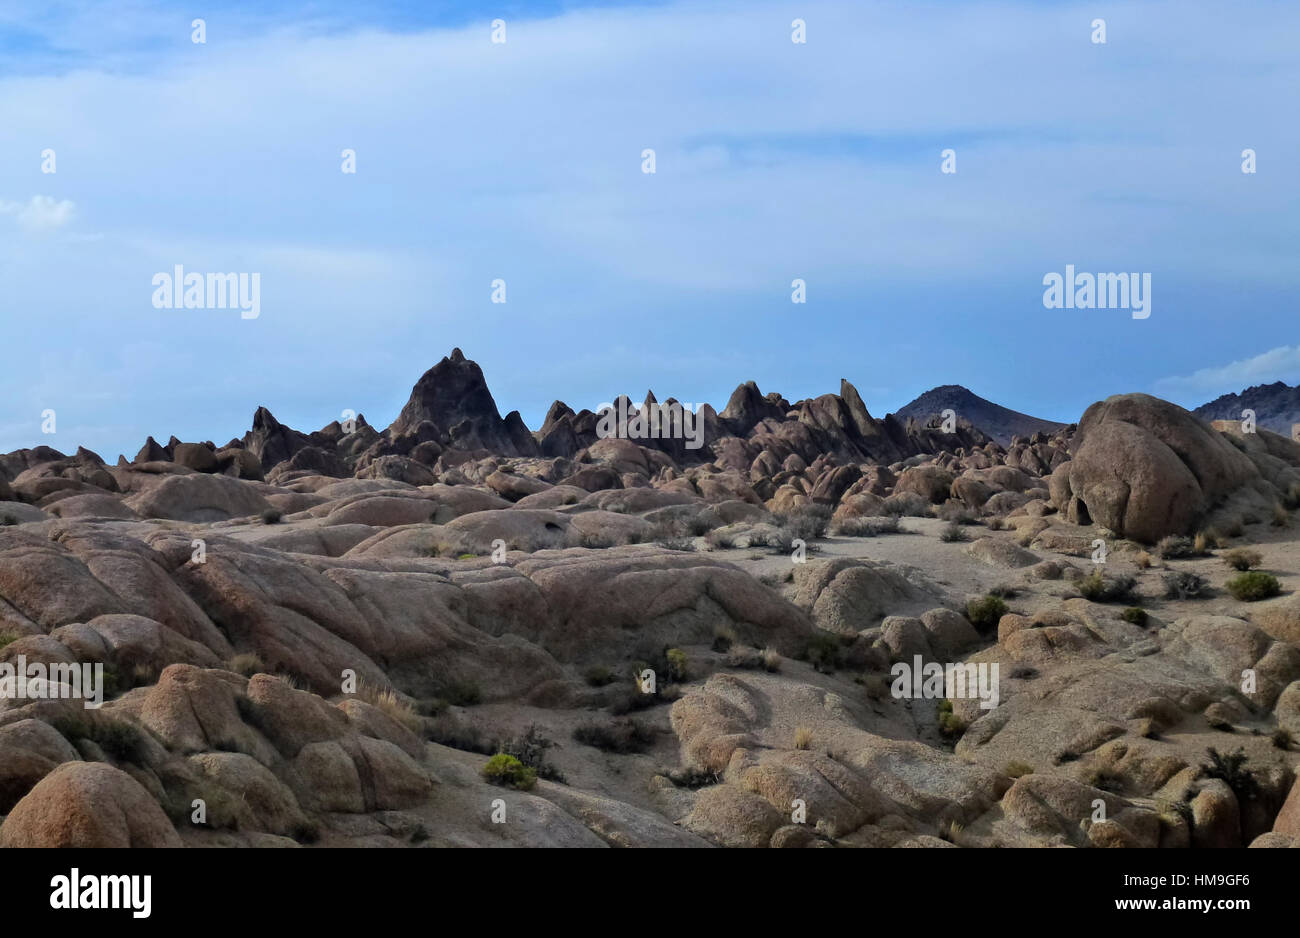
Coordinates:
(456, 631)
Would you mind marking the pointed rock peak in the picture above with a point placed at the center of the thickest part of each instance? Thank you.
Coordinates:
(650, 398)
(457, 356)
(851, 397)
(264, 420)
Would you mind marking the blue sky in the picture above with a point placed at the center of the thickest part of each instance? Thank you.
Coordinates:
(522, 161)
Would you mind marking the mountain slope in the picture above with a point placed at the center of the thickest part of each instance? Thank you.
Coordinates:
(1276, 406)
(997, 421)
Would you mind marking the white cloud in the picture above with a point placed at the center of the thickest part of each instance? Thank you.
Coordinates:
(1279, 364)
(42, 213)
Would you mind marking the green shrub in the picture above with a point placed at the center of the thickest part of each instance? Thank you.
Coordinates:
(598, 676)
(1254, 585)
(507, 771)
(1231, 768)
(950, 724)
(676, 664)
(1135, 614)
(530, 749)
(985, 613)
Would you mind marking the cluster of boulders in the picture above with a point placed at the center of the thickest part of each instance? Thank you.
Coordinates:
(296, 629)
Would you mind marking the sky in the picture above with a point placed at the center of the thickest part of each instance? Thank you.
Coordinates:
(521, 161)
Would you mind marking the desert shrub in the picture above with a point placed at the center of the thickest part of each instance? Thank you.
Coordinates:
(887, 524)
(1283, 738)
(1143, 560)
(120, 740)
(462, 693)
(392, 705)
(1253, 585)
(631, 698)
(598, 676)
(1185, 585)
(803, 737)
(875, 686)
(1233, 527)
(1017, 769)
(950, 724)
(806, 523)
(953, 532)
(1106, 589)
(271, 516)
(1291, 497)
(985, 612)
(738, 656)
(1004, 591)
(1231, 768)
(771, 660)
(1203, 541)
(7, 638)
(450, 730)
(995, 523)
(618, 736)
(854, 527)
(824, 652)
(1135, 614)
(1105, 779)
(676, 664)
(907, 503)
(1281, 517)
(693, 777)
(724, 636)
(530, 749)
(1176, 546)
(957, 513)
(1243, 559)
(247, 664)
(509, 772)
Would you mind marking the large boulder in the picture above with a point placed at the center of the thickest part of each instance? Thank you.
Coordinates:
(1145, 468)
(88, 804)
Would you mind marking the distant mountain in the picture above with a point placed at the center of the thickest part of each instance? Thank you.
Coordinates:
(1276, 406)
(997, 421)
